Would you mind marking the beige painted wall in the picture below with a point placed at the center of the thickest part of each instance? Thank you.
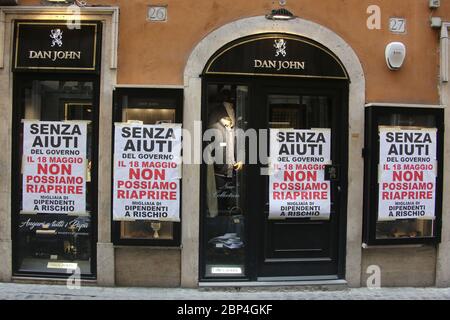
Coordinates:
(401, 267)
(443, 261)
(147, 267)
(156, 53)
(149, 55)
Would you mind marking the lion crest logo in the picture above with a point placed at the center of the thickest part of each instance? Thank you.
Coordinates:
(56, 36)
(280, 45)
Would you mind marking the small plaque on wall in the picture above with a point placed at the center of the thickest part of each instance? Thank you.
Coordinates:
(157, 13)
(397, 25)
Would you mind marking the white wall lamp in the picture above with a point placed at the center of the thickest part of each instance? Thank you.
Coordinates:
(57, 1)
(80, 3)
(280, 14)
(395, 55)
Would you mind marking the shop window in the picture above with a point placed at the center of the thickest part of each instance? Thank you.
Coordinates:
(403, 175)
(147, 107)
(56, 125)
(225, 198)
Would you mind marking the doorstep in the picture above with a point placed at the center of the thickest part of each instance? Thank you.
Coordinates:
(299, 285)
(49, 281)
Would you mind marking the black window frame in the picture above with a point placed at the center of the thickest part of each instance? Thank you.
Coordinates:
(18, 114)
(371, 161)
(158, 93)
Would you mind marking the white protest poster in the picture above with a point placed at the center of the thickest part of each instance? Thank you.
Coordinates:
(147, 172)
(54, 167)
(407, 173)
(297, 179)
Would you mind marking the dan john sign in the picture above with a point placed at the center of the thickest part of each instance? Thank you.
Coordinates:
(55, 46)
(276, 55)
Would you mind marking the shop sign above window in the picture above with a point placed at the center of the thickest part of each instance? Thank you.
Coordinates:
(54, 45)
(276, 55)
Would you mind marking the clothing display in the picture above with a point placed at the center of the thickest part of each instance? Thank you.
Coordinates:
(228, 241)
(221, 175)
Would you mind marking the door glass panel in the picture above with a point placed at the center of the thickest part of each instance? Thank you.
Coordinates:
(299, 112)
(296, 238)
(224, 230)
(56, 242)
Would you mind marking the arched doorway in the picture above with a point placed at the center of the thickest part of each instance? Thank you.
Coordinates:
(201, 54)
(256, 226)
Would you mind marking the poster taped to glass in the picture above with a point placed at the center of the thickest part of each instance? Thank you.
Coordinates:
(147, 172)
(407, 173)
(54, 167)
(298, 188)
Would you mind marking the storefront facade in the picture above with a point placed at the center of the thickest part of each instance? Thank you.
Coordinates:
(94, 94)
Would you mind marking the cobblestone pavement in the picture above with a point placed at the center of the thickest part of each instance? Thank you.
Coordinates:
(9, 291)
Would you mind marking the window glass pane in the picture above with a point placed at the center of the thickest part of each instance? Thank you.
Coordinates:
(49, 242)
(147, 230)
(147, 111)
(406, 228)
(299, 112)
(225, 184)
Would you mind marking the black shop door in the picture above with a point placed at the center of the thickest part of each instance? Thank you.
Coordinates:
(297, 248)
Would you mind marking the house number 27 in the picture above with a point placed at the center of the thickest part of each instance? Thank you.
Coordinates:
(397, 25)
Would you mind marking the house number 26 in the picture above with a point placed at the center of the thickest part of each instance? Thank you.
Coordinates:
(157, 13)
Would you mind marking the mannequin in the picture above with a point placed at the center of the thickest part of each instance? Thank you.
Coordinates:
(223, 119)
(220, 175)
